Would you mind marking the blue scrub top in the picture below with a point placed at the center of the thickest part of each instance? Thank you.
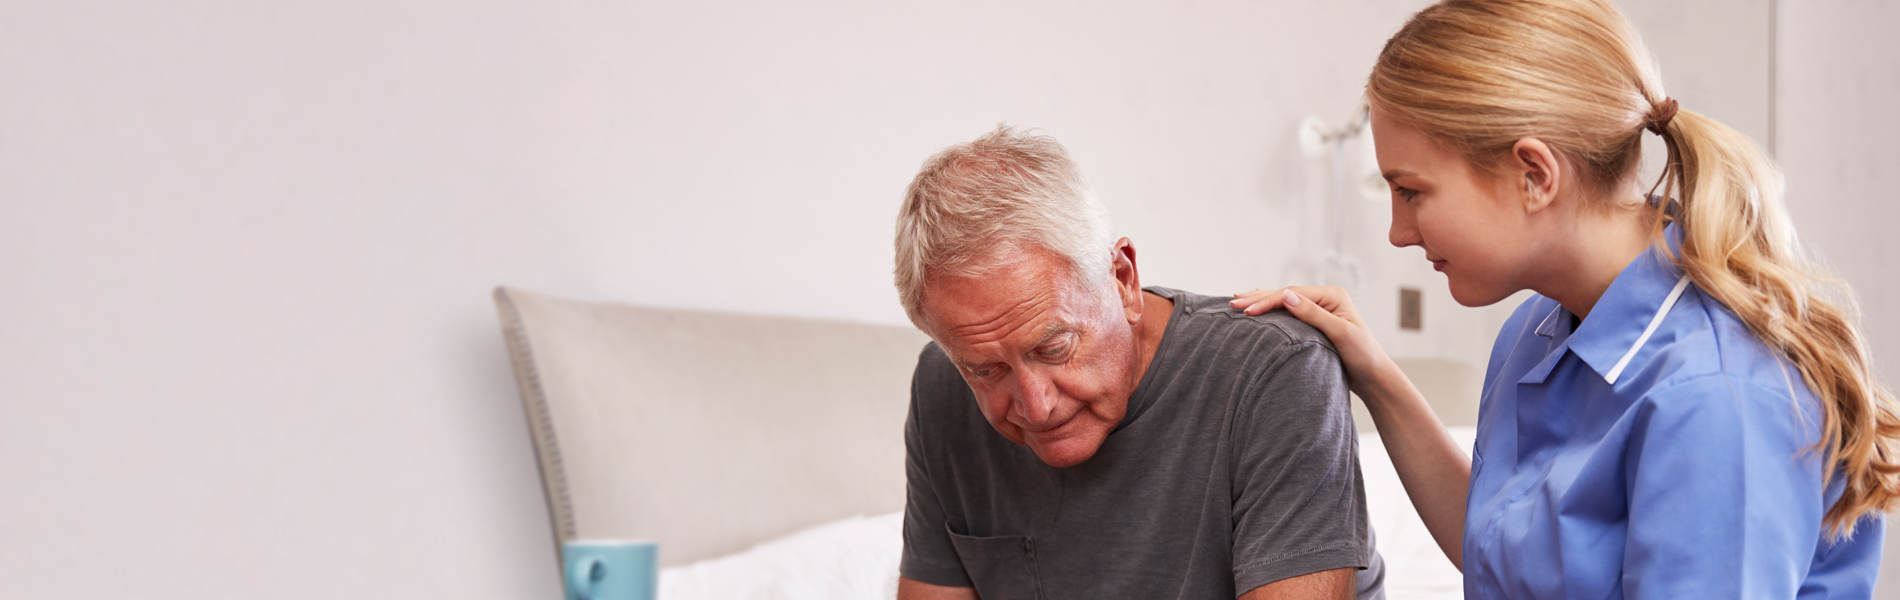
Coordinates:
(1689, 477)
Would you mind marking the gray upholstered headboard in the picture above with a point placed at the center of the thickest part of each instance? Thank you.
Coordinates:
(708, 432)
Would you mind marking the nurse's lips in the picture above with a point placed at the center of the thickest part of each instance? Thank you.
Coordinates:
(1438, 264)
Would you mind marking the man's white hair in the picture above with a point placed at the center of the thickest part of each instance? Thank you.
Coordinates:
(976, 204)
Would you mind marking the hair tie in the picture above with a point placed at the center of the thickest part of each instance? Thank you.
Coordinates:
(1664, 113)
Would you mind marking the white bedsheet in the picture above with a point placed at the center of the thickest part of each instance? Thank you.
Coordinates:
(856, 558)
(851, 559)
(1415, 569)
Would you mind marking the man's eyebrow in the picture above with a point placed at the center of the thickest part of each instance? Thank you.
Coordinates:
(1397, 173)
(962, 364)
(969, 364)
(1050, 331)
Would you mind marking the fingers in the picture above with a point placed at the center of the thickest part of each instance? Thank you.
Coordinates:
(1331, 299)
(1305, 309)
(1326, 296)
(1253, 295)
(1257, 302)
(1263, 305)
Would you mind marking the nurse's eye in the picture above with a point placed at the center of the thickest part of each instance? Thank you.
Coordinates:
(1404, 193)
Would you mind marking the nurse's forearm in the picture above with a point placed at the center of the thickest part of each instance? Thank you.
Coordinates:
(1435, 472)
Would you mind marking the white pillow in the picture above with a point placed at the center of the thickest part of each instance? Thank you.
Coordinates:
(852, 559)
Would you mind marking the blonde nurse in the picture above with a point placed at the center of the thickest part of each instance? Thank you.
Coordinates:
(1683, 410)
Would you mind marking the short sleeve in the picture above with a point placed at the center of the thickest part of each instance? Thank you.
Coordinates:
(1723, 500)
(1299, 503)
(929, 555)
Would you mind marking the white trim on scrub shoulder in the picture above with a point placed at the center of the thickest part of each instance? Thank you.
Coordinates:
(1674, 294)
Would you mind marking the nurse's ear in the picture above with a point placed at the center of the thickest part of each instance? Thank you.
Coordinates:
(1539, 171)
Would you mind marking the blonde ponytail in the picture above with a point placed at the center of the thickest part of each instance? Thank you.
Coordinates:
(1478, 75)
(1738, 246)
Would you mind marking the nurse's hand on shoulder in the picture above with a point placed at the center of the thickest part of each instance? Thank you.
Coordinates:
(1435, 472)
(1329, 310)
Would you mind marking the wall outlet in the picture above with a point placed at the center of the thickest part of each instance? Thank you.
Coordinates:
(1411, 313)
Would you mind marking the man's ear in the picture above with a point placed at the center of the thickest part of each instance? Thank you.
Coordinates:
(1127, 280)
(1541, 173)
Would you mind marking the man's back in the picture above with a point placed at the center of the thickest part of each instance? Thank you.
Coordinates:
(1234, 466)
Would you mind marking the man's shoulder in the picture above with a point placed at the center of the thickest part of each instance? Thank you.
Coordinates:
(1206, 320)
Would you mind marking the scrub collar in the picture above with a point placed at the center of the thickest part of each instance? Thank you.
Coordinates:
(1623, 312)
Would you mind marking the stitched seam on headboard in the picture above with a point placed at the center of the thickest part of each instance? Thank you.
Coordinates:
(540, 420)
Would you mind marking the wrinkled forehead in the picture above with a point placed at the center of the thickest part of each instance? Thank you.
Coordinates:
(1021, 292)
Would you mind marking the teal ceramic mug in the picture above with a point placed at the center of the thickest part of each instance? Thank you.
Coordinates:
(611, 569)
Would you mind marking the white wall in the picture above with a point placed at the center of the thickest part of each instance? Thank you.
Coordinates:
(1840, 80)
(1838, 135)
(246, 250)
(247, 247)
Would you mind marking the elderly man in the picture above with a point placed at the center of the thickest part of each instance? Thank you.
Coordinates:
(1074, 435)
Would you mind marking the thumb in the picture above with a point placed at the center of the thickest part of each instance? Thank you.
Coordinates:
(1313, 314)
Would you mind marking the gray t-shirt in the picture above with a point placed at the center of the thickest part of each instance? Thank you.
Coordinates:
(1236, 466)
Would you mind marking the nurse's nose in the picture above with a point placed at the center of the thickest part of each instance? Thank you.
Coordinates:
(1035, 401)
(1404, 231)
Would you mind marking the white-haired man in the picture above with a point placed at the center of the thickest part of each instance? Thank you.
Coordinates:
(1073, 435)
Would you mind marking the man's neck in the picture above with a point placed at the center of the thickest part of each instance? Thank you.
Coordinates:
(1155, 312)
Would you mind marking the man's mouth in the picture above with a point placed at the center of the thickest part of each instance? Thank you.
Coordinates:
(1054, 425)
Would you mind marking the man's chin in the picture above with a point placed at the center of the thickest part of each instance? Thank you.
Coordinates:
(1067, 452)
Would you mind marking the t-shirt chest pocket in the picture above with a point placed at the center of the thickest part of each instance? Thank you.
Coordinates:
(1000, 567)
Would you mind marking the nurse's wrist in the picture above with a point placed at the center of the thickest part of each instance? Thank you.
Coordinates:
(1383, 386)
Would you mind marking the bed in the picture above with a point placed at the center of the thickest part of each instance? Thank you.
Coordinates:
(765, 454)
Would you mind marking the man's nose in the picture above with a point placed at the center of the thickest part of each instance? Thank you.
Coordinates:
(1036, 400)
